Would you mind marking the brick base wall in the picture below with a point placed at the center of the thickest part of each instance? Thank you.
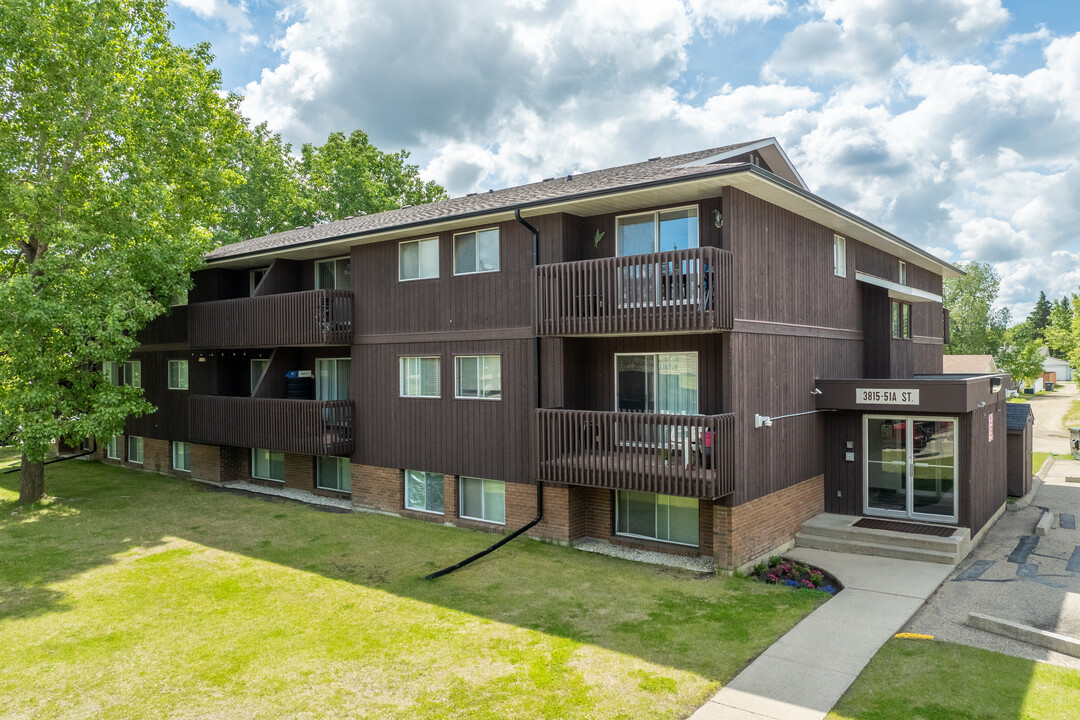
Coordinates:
(206, 462)
(746, 532)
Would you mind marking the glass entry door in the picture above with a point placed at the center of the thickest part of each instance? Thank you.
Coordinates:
(909, 467)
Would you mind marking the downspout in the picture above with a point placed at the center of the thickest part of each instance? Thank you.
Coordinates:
(536, 389)
(56, 460)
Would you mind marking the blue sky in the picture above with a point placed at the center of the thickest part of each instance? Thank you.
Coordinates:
(954, 123)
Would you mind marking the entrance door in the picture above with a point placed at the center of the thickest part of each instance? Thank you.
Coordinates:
(909, 467)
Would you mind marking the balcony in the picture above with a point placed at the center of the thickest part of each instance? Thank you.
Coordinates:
(309, 427)
(686, 455)
(675, 291)
(312, 317)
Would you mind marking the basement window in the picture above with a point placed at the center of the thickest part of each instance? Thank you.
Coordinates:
(656, 517)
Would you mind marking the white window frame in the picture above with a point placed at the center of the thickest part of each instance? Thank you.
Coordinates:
(270, 454)
(476, 235)
(479, 377)
(332, 260)
(902, 272)
(131, 369)
(483, 500)
(839, 253)
(251, 369)
(428, 477)
(656, 225)
(112, 448)
(134, 441)
(181, 377)
(656, 502)
(176, 445)
(419, 249)
(404, 372)
(342, 463)
(252, 283)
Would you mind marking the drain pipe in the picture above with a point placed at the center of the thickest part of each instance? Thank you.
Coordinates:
(69, 457)
(536, 388)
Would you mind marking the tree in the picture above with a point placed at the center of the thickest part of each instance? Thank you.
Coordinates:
(345, 176)
(113, 151)
(976, 328)
(1060, 340)
(270, 199)
(1039, 318)
(1023, 362)
(348, 176)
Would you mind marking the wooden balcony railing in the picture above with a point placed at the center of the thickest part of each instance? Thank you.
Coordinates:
(679, 290)
(309, 427)
(686, 455)
(312, 317)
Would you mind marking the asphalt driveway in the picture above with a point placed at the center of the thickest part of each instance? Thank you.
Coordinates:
(1050, 433)
(1015, 575)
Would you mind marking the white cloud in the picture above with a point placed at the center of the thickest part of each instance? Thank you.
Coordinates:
(948, 152)
(235, 17)
(867, 38)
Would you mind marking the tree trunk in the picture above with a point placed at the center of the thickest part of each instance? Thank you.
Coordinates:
(31, 481)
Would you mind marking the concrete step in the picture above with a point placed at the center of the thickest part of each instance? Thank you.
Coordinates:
(841, 527)
(866, 547)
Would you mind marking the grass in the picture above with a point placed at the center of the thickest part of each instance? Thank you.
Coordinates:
(1072, 417)
(1038, 458)
(929, 680)
(137, 595)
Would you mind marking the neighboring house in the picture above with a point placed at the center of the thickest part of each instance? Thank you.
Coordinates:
(1058, 367)
(692, 354)
(968, 364)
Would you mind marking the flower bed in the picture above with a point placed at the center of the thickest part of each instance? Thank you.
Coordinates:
(796, 575)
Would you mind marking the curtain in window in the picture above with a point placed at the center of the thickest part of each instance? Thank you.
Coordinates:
(468, 377)
(494, 501)
(636, 235)
(465, 253)
(332, 378)
(487, 242)
(472, 497)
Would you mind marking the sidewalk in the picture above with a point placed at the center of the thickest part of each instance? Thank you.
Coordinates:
(806, 671)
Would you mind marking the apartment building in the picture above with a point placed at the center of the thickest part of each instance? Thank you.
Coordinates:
(692, 354)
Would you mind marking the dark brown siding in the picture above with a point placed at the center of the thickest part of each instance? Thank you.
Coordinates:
(985, 480)
(843, 478)
(167, 329)
(480, 301)
(479, 438)
(774, 375)
(169, 421)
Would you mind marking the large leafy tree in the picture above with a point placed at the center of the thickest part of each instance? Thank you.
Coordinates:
(114, 149)
(1059, 338)
(343, 177)
(976, 327)
(1022, 361)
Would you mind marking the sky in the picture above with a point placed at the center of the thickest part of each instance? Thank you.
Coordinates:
(954, 124)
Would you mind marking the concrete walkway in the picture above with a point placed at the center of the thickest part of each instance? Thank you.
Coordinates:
(1050, 434)
(806, 671)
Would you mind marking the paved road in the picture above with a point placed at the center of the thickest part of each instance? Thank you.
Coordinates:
(1015, 575)
(1050, 434)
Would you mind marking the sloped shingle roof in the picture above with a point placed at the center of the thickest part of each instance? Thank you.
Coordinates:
(1016, 415)
(968, 364)
(563, 187)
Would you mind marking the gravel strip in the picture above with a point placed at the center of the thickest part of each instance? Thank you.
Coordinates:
(698, 564)
(290, 493)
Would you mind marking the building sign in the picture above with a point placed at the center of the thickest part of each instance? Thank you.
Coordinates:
(991, 430)
(873, 396)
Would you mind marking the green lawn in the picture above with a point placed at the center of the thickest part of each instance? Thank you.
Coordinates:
(929, 680)
(137, 595)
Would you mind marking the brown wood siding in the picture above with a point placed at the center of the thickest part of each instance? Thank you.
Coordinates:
(774, 375)
(167, 329)
(282, 277)
(784, 267)
(983, 468)
(478, 438)
(843, 478)
(478, 301)
(170, 420)
(218, 284)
